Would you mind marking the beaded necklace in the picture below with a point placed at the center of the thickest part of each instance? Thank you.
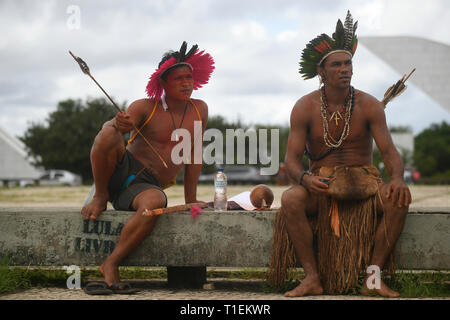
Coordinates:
(327, 138)
(181, 123)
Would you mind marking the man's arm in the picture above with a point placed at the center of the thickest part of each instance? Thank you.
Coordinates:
(126, 120)
(296, 142)
(192, 171)
(397, 190)
(191, 174)
(296, 147)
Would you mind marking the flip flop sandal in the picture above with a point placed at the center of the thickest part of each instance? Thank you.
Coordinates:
(97, 288)
(123, 288)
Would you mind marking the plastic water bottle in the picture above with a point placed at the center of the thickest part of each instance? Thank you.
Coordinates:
(220, 196)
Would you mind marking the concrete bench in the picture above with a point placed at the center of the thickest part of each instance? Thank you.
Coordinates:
(59, 236)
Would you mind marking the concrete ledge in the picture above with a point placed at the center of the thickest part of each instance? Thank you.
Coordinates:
(59, 236)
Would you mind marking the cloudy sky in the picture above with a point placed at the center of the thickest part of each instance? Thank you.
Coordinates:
(256, 46)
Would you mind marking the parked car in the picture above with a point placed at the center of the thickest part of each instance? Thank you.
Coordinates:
(238, 175)
(26, 183)
(60, 178)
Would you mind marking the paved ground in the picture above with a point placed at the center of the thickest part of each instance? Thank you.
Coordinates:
(216, 289)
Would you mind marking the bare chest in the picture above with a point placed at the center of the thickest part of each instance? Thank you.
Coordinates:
(338, 126)
(166, 128)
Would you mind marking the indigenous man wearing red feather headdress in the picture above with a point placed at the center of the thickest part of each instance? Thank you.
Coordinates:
(358, 218)
(133, 177)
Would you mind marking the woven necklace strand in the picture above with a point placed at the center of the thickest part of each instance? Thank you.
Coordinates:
(327, 138)
(181, 123)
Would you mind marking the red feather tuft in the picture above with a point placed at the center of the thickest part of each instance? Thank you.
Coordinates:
(202, 67)
(153, 89)
(195, 210)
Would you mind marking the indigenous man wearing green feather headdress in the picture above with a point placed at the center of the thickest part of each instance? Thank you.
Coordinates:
(341, 204)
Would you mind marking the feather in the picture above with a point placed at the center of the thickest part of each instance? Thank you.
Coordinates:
(202, 64)
(191, 52)
(83, 65)
(195, 210)
(338, 36)
(396, 89)
(348, 31)
(344, 38)
(182, 51)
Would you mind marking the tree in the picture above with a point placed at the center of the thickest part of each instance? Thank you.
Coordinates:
(220, 123)
(432, 150)
(400, 129)
(64, 141)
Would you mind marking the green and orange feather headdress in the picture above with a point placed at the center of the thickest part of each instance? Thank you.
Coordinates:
(317, 50)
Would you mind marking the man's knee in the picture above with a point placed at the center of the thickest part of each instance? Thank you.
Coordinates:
(108, 139)
(108, 142)
(386, 206)
(150, 199)
(295, 198)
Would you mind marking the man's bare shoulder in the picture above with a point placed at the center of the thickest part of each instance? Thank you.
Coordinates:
(305, 104)
(369, 103)
(142, 103)
(202, 107)
(140, 109)
(366, 98)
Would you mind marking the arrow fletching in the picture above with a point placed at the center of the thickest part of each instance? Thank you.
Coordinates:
(83, 65)
(396, 89)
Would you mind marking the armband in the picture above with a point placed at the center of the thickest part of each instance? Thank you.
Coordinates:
(300, 180)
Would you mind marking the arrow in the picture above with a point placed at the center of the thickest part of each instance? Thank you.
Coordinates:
(396, 89)
(85, 69)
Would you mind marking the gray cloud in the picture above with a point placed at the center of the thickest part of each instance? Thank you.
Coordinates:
(256, 46)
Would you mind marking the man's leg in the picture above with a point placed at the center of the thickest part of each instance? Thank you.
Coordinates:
(387, 234)
(107, 150)
(297, 203)
(136, 229)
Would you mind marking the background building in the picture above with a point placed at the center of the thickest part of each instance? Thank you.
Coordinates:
(430, 58)
(15, 165)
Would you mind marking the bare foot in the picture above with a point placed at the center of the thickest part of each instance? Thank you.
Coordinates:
(110, 272)
(95, 207)
(383, 291)
(309, 286)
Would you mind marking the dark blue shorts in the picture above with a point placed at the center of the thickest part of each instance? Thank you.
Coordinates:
(128, 180)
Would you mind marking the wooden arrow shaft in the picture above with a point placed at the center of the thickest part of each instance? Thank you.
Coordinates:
(119, 110)
(173, 209)
(134, 127)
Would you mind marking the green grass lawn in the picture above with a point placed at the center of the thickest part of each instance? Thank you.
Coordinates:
(410, 284)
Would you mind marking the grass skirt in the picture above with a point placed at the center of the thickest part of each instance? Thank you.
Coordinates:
(340, 259)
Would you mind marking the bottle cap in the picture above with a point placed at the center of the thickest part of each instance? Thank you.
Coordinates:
(220, 170)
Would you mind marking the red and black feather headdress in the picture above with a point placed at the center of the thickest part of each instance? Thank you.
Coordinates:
(317, 50)
(201, 64)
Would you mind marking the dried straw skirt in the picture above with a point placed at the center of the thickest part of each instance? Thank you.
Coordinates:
(340, 260)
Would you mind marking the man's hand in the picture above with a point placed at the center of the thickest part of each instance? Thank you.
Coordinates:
(314, 184)
(123, 122)
(398, 193)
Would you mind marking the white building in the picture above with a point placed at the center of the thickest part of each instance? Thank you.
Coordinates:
(15, 165)
(403, 141)
(430, 58)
